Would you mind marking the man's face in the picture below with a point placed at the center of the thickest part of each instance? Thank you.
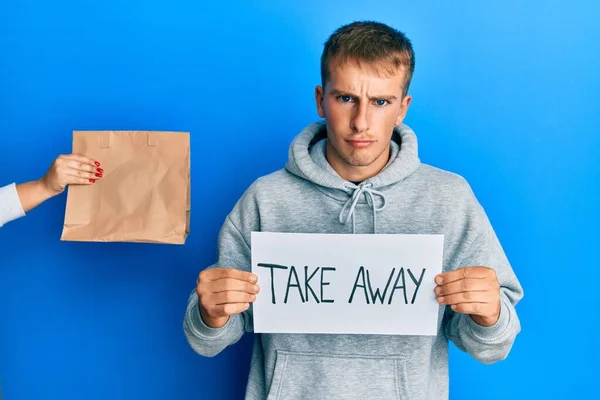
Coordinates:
(361, 109)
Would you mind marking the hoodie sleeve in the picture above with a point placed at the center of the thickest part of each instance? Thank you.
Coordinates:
(482, 248)
(233, 252)
(10, 204)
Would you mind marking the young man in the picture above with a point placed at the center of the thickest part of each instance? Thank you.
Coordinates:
(16, 200)
(359, 172)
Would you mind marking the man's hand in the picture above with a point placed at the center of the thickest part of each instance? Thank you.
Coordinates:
(223, 292)
(471, 290)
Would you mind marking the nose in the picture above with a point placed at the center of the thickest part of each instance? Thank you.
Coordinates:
(360, 121)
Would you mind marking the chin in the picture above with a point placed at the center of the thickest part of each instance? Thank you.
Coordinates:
(361, 157)
(359, 161)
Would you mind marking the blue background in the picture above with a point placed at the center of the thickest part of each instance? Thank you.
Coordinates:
(505, 93)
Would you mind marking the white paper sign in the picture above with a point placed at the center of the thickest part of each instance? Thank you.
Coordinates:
(339, 283)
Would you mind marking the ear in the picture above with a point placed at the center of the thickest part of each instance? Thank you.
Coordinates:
(320, 98)
(403, 109)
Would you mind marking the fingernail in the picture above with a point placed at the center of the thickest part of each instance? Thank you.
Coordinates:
(254, 278)
(440, 300)
(99, 175)
(439, 280)
(100, 170)
(437, 290)
(453, 307)
(92, 180)
(97, 163)
(256, 288)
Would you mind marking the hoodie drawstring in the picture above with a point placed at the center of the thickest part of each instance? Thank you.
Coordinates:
(363, 188)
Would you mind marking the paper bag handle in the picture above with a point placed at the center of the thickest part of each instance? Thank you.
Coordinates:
(105, 139)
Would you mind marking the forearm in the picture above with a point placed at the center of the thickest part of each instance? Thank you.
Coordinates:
(487, 344)
(32, 194)
(209, 341)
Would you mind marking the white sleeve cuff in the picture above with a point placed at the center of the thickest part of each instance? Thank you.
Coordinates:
(10, 204)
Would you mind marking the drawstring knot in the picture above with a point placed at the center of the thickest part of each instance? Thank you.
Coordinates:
(365, 189)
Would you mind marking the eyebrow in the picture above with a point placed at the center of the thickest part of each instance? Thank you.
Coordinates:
(337, 92)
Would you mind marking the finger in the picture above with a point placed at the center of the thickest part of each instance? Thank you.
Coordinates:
(463, 285)
(82, 159)
(228, 284)
(73, 180)
(463, 273)
(228, 298)
(224, 310)
(79, 166)
(214, 274)
(466, 297)
(70, 174)
(482, 309)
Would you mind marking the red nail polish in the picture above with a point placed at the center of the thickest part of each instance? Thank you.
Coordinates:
(92, 180)
(97, 163)
(100, 170)
(99, 175)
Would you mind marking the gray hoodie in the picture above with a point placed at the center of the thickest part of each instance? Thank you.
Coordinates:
(10, 205)
(407, 197)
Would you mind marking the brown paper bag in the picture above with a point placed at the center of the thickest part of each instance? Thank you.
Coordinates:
(144, 194)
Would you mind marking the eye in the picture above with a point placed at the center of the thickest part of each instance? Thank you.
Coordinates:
(381, 103)
(345, 99)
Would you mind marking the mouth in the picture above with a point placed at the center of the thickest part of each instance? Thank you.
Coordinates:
(360, 143)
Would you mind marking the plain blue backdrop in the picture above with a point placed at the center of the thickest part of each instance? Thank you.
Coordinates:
(506, 93)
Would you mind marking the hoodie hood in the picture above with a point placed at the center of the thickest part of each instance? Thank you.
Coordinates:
(307, 160)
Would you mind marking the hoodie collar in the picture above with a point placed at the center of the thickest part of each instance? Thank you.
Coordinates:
(307, 159)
